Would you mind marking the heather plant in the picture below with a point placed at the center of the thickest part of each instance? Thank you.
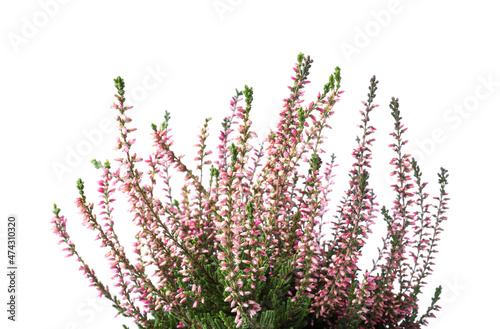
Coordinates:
(240, 245)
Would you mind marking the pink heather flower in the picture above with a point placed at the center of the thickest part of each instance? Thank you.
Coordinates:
(248, 219)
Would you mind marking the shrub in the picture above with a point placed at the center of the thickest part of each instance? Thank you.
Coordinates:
(242, 246)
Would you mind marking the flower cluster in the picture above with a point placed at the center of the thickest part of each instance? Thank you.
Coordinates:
(241, 246)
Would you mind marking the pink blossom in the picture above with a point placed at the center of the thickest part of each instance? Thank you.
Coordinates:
(251, 217)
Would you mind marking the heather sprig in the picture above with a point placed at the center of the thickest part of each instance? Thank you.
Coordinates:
(240, 244)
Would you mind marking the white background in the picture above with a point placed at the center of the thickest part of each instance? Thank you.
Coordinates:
(59, 59)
